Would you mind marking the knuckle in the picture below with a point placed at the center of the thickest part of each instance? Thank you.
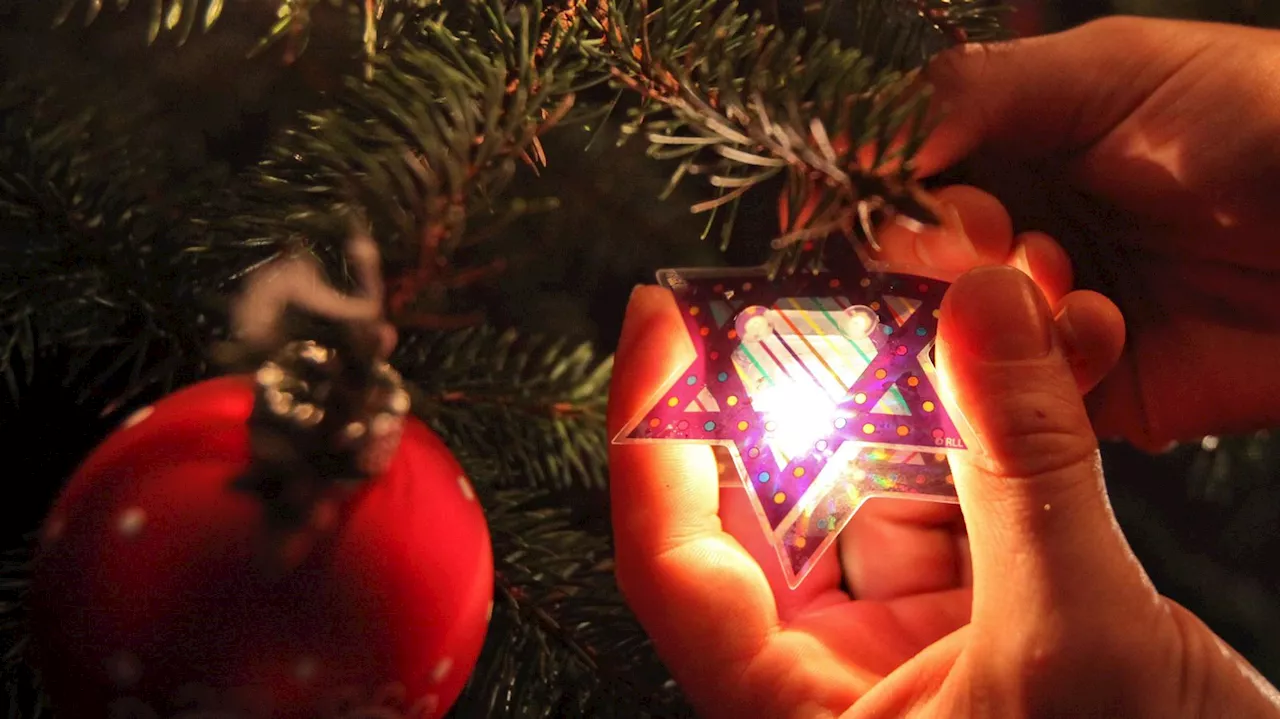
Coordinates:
(958, 66)
(1111, 24)
(1121, 27)
(1037, 433)
(1137, 34)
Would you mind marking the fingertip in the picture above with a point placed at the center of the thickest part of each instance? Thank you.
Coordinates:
(984, 218)
(1092, 331)
(1020, 409)
(978, 231)
(646, 302)
(1031, 477)
(995, 313)
(1043, 259)
(649, 350)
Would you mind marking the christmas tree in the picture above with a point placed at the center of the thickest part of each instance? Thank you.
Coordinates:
(507, 158)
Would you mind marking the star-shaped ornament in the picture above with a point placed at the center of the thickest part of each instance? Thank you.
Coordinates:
(821, 389)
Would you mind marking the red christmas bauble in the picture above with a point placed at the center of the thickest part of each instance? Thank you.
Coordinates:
(147, 602)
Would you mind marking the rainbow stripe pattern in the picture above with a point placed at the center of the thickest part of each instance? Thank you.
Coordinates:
(822, 389)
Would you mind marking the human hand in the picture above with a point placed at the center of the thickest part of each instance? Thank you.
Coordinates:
(1148, 147)
(1064, 620)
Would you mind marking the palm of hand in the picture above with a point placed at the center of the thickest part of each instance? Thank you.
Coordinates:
(832, 649)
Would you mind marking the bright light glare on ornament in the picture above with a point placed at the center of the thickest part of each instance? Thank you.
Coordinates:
(797, 413)
(756, 329)
(859, 322)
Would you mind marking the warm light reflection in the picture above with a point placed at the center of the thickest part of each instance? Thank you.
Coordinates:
(798, 413)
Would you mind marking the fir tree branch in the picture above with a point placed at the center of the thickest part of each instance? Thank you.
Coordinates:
(104, 246)
(741, 102)
(964, 21)
(26, 699)
(379, 21)
(562, 642)
(535, 406)
(424, 149)
(84, 198)
(178, 16)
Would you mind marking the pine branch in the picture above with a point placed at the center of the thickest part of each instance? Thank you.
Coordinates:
(84, 198)
(105, 247)
(963, 21)
(742, 102)
(424, 149)
(562, 642)
(21, 682)
(535, 406)
(379, 21)
(179, 16)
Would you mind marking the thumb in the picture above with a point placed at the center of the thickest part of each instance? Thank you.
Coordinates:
(1046, 95)
(1031, 483)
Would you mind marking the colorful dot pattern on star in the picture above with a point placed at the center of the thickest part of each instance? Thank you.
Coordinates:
(822, 388)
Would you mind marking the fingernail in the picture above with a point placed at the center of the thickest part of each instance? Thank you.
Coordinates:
(948, 246)
(1021, 260)
(998, 314)
(1066, 330)
(639, 308)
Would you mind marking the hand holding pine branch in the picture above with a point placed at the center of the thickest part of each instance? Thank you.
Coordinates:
(741, 102)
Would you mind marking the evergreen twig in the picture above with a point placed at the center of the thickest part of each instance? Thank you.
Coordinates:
(101, 247)
(20, 679)
(180, 16)
(562, 642)
(84, 200)
(741, 102)
(424, 149)
(380, 21)
(535, 406)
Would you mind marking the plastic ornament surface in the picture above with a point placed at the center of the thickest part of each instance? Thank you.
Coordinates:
(821, 387)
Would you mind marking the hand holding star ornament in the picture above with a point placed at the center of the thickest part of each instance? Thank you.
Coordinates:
(821, 388)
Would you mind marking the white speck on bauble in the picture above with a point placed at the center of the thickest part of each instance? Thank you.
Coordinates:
(131, 521)
(137, 417)
(441, 670)
(426, 706)
(465, 486)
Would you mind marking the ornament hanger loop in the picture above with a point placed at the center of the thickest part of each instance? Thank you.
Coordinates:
(296, 280)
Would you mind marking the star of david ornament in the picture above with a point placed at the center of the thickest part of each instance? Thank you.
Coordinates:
(820, 386)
